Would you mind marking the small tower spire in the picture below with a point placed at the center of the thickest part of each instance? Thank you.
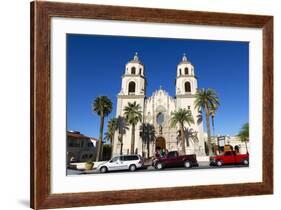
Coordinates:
(136, 58)
(184, 58)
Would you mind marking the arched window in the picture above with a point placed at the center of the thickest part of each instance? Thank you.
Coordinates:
(187, 87)
(140, 72)
(179, 71)
(186, 71)
(160, 118)
(132, 88)
(133, 70)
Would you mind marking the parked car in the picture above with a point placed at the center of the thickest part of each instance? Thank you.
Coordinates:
(122, 162)
(173, 159)
(229, 157)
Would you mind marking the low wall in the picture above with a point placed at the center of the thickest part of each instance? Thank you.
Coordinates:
(81, 165)
(202, 158)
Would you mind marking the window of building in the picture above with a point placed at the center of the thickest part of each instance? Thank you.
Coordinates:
(179, 71)
(186, 71)
(160, 118)
(188, 107)
(90, 144)
(132, 87)
(73, 143)
(140, 72)
(187, 87)
(133, 70)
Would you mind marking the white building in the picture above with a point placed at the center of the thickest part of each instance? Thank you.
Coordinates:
(157, 109)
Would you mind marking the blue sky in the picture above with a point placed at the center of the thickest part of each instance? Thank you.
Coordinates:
(95, 65)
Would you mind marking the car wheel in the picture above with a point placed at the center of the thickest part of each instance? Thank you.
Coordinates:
(103, 169)
(159, 166)
(187, 164)
(132, 168)
(245, 162)
(219, 163)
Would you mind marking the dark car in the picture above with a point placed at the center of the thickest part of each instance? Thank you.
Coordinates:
(173, 159)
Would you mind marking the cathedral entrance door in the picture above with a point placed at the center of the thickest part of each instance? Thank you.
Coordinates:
(160, 143)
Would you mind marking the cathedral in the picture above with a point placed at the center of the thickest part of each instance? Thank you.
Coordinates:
(157, 109)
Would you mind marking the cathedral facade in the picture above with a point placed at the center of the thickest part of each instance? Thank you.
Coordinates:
(157, 110)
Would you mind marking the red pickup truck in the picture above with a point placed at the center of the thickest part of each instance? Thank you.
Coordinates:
(173, 159)
(229, 157)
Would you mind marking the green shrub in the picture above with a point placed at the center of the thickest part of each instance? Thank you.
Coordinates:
(89, 165)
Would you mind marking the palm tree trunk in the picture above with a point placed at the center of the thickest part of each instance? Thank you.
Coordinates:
(120, 139)
(100, 139)
(182, 139)
(112, 144)
(213, 125)
(246, 147)
(210, 151)
(148, 148)
(133, 140)
(121, 148)
(101, 151)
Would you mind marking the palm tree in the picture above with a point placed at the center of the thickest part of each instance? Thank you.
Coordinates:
(107, 137)
(111, 129)
(213, 113)
(207, 100)
(182, 116)
(244, 134)
(102, 105)
(121, 127)
(133, 115)
(147, 134)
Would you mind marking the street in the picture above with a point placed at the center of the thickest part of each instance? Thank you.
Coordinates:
(202, 165)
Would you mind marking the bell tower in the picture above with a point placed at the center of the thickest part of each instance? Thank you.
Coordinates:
(133, 89)
(133, 80)
(186, 81)
(186, 88)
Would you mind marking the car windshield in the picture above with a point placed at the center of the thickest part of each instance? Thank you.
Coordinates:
(114, 159)
(172, 154)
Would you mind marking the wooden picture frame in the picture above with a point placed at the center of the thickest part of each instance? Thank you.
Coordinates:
(41, 14)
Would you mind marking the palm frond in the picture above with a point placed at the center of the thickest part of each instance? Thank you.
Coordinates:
(102, 105)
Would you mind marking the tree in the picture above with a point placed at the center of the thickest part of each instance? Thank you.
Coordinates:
(111, 129)
(213, 114)
(102, 106)
(110, 133)
(181, 116)
(121, 127)
(133, 115)
(107, 137)
(207, 100)
(244, 134)
(147, 134)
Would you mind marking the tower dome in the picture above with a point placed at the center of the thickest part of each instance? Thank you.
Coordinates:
(184, 59)
(185, 68)
(135, 66)
(135, 59)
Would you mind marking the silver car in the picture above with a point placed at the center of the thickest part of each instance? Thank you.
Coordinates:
(122, 162)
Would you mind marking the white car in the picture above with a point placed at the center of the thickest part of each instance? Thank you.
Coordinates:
(122, 162)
